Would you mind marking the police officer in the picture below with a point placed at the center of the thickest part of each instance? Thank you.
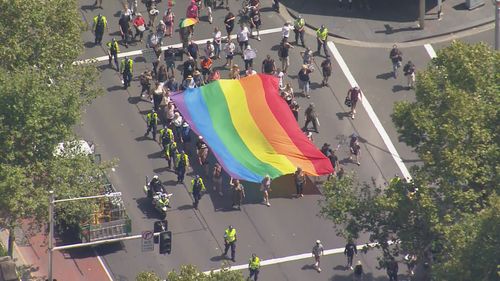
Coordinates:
(197, 187)
(254, 267)
(230, 242)
(171, 153)
(166, 137)
(113, 51)
(126, 70)
(100, 23)
(321, 37)
(152, 122)
(181, 164)
(299, 29)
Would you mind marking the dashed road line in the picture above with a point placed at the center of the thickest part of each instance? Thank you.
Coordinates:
(430, 50)
(292, 258)
(371, 113)
(178, 45)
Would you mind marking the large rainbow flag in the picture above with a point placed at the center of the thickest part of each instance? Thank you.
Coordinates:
(250, 128)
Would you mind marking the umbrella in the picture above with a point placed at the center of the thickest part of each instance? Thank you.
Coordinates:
(187, 22)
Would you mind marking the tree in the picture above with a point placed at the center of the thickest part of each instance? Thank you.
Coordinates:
(35, 33)
(451, 204)
(147, 276)
(191, 273)
(453, 124)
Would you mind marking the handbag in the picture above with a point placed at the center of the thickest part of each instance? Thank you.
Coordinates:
(348, 101)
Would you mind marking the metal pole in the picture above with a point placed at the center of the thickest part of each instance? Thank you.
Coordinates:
(497, 25)
(421, 17)
(51, 232)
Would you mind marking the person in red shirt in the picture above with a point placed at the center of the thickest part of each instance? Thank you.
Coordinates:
(192, 10)
(140, 26)
(206, 68)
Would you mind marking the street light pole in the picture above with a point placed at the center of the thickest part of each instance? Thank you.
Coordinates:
(497, 25)
(51, 232)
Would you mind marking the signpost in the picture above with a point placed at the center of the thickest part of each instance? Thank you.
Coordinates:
(147, 241)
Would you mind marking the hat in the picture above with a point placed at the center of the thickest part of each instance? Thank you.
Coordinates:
(138, 14)
(200, 137)
(154, 12)
(249, 47)
(196, 72)
(358, 263)
(189, 77)
(155, 176)
(318, 242)
(326, 144)
(185, 124)
(304, 66)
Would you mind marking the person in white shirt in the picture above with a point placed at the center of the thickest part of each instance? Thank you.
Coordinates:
(248, 55)
(285, 31)
(242, 37)
(217, 42)
(229, 49)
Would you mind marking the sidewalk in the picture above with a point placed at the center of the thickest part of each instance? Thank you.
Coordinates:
(389, 20)
(30, 255)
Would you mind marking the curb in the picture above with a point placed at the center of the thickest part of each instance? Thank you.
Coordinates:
(294, 16)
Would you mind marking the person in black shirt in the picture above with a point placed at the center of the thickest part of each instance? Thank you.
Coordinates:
(349, 251)
(188, 68)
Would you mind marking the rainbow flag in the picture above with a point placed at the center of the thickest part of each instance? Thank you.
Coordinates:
(250, 128)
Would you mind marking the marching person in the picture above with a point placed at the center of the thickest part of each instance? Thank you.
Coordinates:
(355, 149)
(152, 122)
(230, 242)
(326, 68)
(255, 22)
(396, 57)
(299, 29)
(358, 272)
(354, 95)
(166, 137)
(265, 187)
(140, 26)
(254, 267)
(126, 70)
(409, 71)
(171, 154)
(300, 179)
(349, 251)
(113, 51)
(238, 192)
(202, 152)
(317, 252)
(197, 187)
(181, 165)
(217, 178)
(311, 116)
(321, 38)
(100, 23)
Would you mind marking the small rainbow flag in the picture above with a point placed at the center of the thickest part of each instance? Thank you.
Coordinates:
(250, 128)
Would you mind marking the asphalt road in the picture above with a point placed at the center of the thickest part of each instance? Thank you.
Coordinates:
(116, 123)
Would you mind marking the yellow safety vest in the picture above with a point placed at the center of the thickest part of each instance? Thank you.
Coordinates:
(230, 235)
(113, 46)
(186, 159)
(200, 181)
(322, 35)
(254, 263)
(299, 23)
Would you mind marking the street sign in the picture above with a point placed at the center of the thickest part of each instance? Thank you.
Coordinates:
(147, 241)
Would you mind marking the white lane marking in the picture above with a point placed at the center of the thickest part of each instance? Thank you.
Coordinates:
(371, 113)
(178, 45)
(430, 50)
(101, 261)
(292, 258)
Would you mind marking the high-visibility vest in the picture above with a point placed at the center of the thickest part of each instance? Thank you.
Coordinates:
(254, 263)
(152, 117)
(299, 23)
(113, 47)
(127, 65)
(322, 35)
(168, 132)
(230, 235)
(186, 159)
(171, 150)
(99, 19)
(199, 181)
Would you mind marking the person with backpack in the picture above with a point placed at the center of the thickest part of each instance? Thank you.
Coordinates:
(181, 165)
(284, 55)
(113, 50)
(409, 71)
(396, 57)
(126, 69)
(100, 23)
(268, 66)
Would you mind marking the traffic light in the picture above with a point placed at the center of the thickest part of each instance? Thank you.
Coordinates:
(159, 226)
(166, 242)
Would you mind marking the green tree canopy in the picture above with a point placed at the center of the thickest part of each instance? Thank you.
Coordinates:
(38, 33)
(191, 273)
